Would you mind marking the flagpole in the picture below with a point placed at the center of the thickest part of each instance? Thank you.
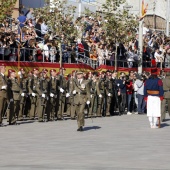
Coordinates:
(167, 17)
(141, 5)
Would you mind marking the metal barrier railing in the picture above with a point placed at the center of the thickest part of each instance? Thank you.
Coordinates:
(40, 55)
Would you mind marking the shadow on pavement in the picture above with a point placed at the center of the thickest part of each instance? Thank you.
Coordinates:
(25, 122)
(166, 120)
(91, 128)
(164, 125)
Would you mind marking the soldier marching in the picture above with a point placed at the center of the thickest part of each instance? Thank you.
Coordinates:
(36, 96)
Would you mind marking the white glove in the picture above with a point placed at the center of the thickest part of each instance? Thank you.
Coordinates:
(100, 95)
(33, 94)
(67, 94)
(74, 92)
(22, 94)
(88, 102)
(51, 95)
(91, 95)
(11, 100)
(61, 90)
(118, 84)
(109, 94)
(4, 87)
(19, 73)
(43, 95)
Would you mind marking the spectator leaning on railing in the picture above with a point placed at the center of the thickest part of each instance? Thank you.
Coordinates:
(92, 43)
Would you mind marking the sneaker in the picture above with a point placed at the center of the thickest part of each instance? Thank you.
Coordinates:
(129, 113)
(136, 113)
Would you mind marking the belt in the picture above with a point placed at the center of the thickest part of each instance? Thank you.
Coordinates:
(152, 91)
(81, 93)
(2, 90)
(16, 91)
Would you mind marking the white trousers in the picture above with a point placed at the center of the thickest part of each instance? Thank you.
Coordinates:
(153, 121)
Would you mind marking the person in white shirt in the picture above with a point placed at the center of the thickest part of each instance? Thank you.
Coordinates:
(159, 58)
(44, 29)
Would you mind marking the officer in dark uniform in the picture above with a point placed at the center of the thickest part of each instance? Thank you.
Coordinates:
(15, 97)
(69, 96)
(109, 93)
(101, 93)
(24, 86)
(53, 88)
(44, 98)
(116, 95)
(62, 83)
(33, 91)
(29, 96)
(93, 95)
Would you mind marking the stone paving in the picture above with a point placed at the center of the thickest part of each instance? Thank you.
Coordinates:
(110, 143)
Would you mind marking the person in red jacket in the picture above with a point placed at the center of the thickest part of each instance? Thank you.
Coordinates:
(129, 92)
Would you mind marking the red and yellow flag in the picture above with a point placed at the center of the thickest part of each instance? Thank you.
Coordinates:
(144, 8)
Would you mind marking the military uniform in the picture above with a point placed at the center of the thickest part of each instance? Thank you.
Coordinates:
(62, 83)
(81, 96)
(53, 87)
(3, 94)
(35, 95)
(44, 96)
(15, 97)
(166, 88)
(93, 98)
(153, 92)
(109, 96)
(69, 98)
(100, 87)
(24, 87)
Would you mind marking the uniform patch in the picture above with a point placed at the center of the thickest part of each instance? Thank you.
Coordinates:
(160, 83)
(83, 86)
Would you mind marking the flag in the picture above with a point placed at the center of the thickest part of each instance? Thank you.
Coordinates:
(144, 8)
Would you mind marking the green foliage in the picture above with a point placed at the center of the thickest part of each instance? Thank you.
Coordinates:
(6, 8)
(118, 24)
(59, 18)
(121, 25)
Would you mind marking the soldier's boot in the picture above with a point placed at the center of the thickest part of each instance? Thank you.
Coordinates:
(108, 109)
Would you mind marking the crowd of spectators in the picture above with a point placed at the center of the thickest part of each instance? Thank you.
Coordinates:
(32, 35)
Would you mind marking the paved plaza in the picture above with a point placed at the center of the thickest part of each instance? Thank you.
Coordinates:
(111, 143)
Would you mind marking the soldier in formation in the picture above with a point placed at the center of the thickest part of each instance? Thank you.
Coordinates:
(36, 96)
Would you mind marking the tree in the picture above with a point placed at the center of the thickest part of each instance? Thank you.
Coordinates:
(59, 18)
(6, 8)
(120, 25)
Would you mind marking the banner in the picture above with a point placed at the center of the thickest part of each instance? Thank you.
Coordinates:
(28, 66)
